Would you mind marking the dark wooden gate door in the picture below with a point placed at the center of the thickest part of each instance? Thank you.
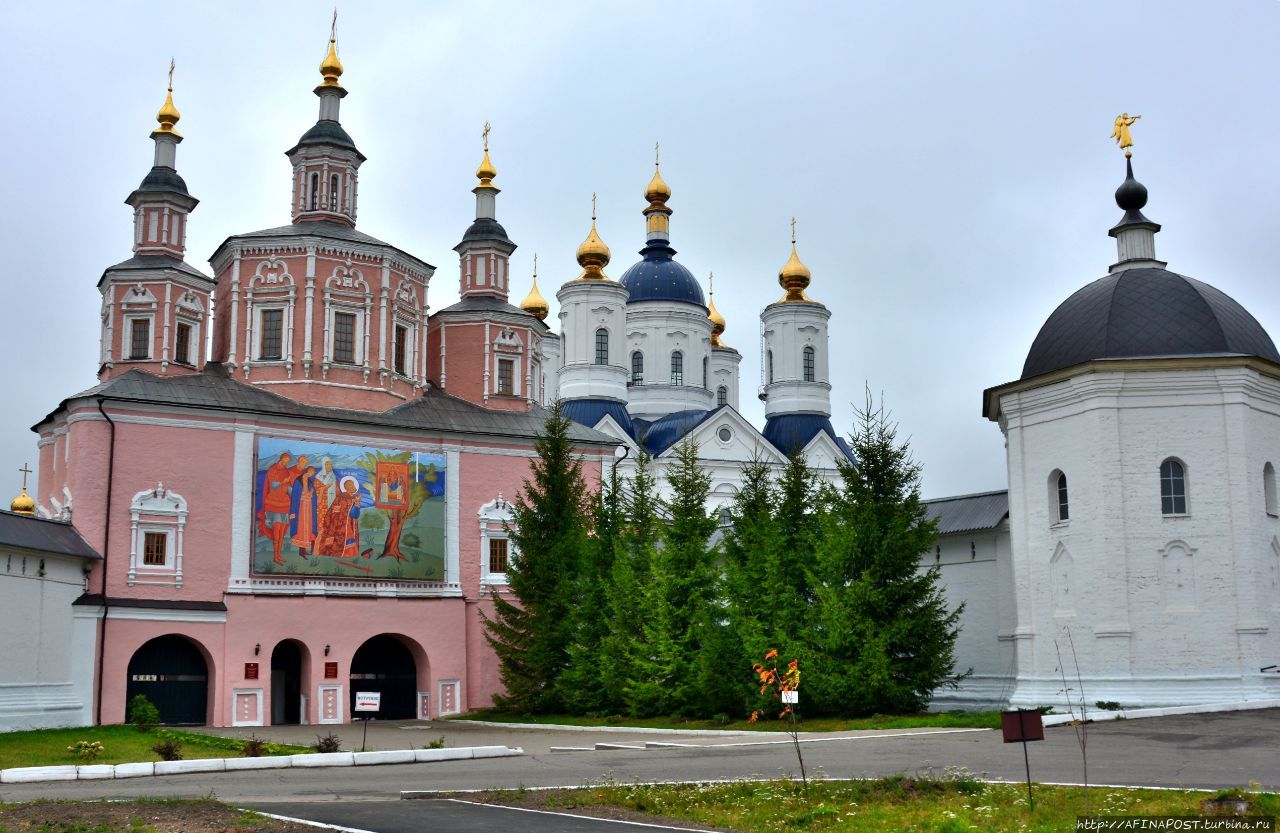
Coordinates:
(171, 672)
(384, 664)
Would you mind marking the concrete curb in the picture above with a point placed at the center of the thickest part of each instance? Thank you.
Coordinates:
(638, 730)
(99, 772)
(1098, 715)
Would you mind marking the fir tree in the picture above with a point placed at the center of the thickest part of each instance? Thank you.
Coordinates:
(786, 592)
(549, 532)
(748, 543)
(681, 596)
(629, 574)
(581, 684)
(884, 638)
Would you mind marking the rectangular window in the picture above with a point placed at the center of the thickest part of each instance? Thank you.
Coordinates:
(344, 337)
(272, 342)
(497, 555)
(399, 349)
(153, 548)
(182, 345)
(506, 376)
(333, 192)
(140, 338)
(602, 346)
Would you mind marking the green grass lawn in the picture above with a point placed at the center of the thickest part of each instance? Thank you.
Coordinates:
(949, 803)
(964, 720)
(120, 744)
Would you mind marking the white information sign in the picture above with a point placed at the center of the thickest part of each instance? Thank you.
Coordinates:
(368, 701)
(791, 697)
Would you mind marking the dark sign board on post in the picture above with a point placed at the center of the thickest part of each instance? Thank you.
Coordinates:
(1022, 725)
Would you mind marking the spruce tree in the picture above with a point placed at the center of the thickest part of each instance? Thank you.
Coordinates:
(624, 609)
(581, 684)
(884, 637)
(681, 595)
(548, 529)
(748, 544)
(787, 593)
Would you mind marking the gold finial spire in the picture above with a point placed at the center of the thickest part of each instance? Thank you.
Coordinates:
(713, 315)
(168, 115)
(794, 275)
(593, 254)
(331, 67)
(1120, 132)
(534, 303)
(23, 504)
(486, 172)
(658, 192)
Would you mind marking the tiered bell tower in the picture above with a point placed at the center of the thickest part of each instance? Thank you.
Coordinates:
(325, 160)
(155, 307)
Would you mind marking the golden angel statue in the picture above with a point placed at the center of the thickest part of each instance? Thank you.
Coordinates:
(1121, 131)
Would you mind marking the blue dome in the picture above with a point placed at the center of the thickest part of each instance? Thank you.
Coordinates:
(659, 278)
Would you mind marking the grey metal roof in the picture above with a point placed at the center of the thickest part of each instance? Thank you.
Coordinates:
(486, 228)
(484, 303)
(1145, 313)
(151, 263)
(41, 535)
(333, 231)
(969, 513)
(215, 389)
(162, 179)
(327, 132)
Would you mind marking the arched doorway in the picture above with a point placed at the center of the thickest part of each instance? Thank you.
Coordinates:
(385, 664)
(172, 673)
(286, 683)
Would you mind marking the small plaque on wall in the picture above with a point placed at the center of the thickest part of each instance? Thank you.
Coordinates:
(251, 670)
(331, 670)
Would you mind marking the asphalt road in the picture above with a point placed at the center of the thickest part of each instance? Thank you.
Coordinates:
(440, 816)
(1212, 751)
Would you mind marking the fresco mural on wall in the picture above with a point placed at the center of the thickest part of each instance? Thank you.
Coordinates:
(327, 509)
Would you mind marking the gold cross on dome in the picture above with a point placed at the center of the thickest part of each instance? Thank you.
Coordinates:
(793, 231)
(655, 154)
(484, 136)
(711, 282)
(535, 264)
(171, 65)
(593, 206)
(26, 469)
(333, 27)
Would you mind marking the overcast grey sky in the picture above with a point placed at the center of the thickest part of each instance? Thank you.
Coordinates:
(948, 163)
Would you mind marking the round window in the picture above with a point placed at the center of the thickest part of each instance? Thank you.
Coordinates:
(724, 434)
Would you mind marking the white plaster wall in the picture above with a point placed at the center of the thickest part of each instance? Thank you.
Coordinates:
(724, 371)
(1142, 635)
(787, 329)
(656, 329)
(585, 306)
(47, 673)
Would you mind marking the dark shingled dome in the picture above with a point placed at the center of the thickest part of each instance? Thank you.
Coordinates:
(659, 278)
(161, 178)
(327, 132)
(1146, 313)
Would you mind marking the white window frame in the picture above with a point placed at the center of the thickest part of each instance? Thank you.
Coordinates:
(495, 519)
(358, 357)
(126, 340)
(157, 510)
(258, 309)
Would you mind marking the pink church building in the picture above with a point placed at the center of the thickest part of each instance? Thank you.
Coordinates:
(316, 505)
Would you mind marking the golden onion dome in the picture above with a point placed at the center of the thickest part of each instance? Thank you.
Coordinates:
(23, 504)
(657, 191)
(593, 255)
(168, 115)
(486, 172)
(713, 314)
(794, 275)
(534, 303)
(331, 67)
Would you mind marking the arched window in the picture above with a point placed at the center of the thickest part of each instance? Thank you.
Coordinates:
(722, 396)
(602, 346)
(769, 368)
(704, 373)
(677, 367)
(1269, 489)
(315, 191)
(333, 192)
(1173, 488)
(637, 368)
(808, 364)
(1059, 509)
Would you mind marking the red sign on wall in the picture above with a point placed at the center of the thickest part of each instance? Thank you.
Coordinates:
(331, 670)
(251, 670)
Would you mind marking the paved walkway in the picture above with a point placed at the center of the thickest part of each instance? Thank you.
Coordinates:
(415, 734)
